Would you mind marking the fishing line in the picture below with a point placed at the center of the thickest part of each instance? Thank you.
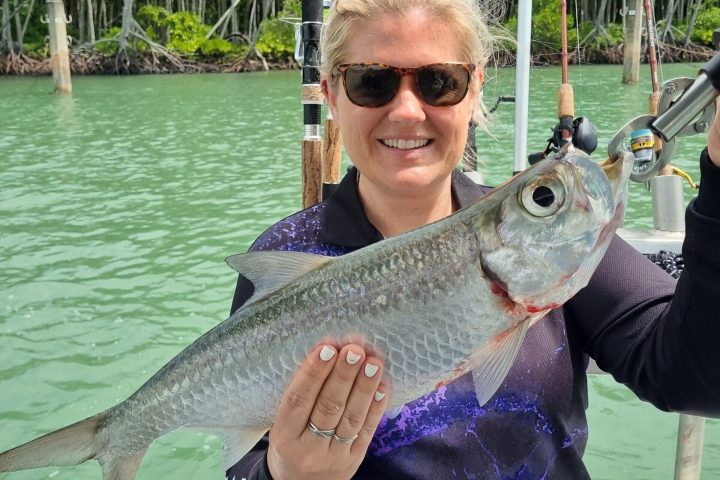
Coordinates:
(657, 45)
(577, 47)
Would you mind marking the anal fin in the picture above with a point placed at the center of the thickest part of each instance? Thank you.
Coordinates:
(238, 442)
(121, 468)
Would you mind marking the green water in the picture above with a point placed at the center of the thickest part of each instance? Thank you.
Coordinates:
(119, 204)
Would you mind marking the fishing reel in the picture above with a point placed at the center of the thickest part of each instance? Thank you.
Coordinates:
(580, 130)
(689, 113)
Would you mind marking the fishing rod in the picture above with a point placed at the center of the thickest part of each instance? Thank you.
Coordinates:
(654, 99)
(312, 100)
(566, 96)
(578, 131)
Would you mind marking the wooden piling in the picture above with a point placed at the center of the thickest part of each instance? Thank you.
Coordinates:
(59, 53)
(332, 152)
(632, 45)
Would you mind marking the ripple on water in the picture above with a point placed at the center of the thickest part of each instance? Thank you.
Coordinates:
(116, 221)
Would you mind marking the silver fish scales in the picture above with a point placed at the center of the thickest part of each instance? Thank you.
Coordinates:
(453, 297)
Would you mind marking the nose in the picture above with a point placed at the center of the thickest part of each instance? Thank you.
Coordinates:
(407, 107)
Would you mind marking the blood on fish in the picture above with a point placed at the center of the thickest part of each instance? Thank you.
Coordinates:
(500, 337)
(498, 290)
(456, 373)
(534, 309)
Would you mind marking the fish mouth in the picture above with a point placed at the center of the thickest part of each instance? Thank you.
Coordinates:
(618, 171)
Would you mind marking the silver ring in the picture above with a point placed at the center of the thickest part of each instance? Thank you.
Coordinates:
(319, 432)
(345, 440)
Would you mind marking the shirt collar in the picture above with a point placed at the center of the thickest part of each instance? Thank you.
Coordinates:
(346, 223)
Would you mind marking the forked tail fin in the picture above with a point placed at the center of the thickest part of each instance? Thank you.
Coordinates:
(70, 445)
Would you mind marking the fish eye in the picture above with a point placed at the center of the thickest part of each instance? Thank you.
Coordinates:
(542, 196)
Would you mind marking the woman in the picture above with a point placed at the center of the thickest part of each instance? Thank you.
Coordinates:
(405, 129)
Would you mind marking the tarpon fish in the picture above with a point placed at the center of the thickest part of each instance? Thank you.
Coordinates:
(452, 297)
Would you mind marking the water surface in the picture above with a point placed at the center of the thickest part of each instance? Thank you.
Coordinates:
(119, 204)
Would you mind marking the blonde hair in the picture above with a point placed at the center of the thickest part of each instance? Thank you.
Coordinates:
(465, 17)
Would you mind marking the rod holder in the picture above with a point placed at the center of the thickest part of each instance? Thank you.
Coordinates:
(668, 203)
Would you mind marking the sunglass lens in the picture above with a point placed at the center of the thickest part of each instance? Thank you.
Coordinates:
(443, 85)
(371, 85)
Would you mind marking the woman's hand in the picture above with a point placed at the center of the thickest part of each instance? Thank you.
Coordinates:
(332, 390)
(714, 139)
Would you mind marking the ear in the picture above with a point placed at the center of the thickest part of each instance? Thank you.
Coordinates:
(330, 97)
(480, 76)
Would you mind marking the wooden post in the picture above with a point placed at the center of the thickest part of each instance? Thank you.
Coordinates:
(59, 54)
(690, 439)
(332, 152)
(631, 50)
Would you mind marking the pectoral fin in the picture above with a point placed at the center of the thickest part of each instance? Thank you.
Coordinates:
(491, 364)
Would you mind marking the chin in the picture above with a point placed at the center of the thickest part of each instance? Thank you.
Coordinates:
(416, 177)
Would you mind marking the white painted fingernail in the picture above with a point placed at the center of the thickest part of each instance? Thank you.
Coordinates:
(370, 369)
(326, 353)
(379, 396)
(352, 357)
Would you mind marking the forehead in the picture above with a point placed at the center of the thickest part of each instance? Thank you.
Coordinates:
(411, 39)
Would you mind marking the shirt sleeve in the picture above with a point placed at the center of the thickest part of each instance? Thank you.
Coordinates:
(657, 336)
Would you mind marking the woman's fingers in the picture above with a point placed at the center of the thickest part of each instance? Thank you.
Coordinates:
(327, 415)
(358, 404)
(332, 399)
(301, 393)
(377, 408)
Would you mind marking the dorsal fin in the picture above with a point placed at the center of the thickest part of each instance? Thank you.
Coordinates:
(271, 271)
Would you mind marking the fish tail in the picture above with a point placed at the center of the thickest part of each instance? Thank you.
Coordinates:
(70, 445)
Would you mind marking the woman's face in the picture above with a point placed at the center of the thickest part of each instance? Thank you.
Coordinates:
(370, 135)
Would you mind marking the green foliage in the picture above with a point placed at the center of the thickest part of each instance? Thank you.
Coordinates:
(546, 30)
(151, 15)
(185, 33)
(36, 30)
(613, 35)
(216, 47)
(277, 40)
(292, 8)
(37, 49)
(708, 20)
(154, 19)
(108, 44)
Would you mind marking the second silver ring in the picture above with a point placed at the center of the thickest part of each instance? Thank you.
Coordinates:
(345, 440)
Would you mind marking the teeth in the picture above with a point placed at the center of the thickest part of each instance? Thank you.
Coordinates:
(405, 144)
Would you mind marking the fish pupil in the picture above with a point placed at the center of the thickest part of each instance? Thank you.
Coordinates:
(543, 196)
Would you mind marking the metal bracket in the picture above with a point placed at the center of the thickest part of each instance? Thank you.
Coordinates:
(669, 97)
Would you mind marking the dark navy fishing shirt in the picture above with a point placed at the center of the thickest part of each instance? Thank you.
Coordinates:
(660, 342)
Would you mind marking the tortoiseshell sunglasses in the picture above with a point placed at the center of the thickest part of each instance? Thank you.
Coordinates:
(373, 85)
